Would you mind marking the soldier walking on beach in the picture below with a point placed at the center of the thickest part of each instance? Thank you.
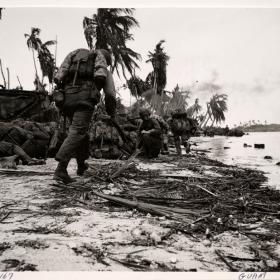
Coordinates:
(181, 127)
(82, 75)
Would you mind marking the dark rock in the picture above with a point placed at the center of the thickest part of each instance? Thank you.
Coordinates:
(278, 163)
(268, 157)
(259, 146)
(245, 145)
(226, 148)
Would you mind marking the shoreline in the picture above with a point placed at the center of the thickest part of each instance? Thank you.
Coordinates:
(214, 218)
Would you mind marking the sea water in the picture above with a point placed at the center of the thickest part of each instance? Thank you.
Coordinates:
(231, 150)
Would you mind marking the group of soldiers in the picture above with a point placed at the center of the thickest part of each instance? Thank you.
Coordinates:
(80, 79)
(154, 132)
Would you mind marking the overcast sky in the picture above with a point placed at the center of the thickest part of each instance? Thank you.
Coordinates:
(235, 49)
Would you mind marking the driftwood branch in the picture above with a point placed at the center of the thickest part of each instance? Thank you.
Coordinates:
(197, 186)
(231, 267)
(173, 213)
(5, 217)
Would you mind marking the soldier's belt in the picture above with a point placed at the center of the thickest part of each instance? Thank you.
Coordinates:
(81, 82)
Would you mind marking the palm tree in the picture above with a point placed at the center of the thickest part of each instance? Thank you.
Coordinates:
(34, 43)
(178, 100)
(47, 61)
(137, 86)
(193, 110)
(159, 59)
(218, 105)
(110, 28)
(215, 109)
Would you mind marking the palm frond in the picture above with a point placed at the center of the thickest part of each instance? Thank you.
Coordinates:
(110, 28)
(49, 43)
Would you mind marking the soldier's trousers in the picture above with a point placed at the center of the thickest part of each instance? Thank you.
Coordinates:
(151, 145)
(181, 140)
(76, 144)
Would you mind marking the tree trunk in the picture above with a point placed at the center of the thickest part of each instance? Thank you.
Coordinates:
(19, 83)
(204, 119)
(34, 61)
(2, 72)
(8, 77)
(213, 121)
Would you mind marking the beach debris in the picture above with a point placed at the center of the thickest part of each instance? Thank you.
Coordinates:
(16, 265)
(222, 257)
(9, 162)
(206, 242)
(155, 237)
(268, 157)
(4, 246)
(139, 263)
(245, 145)
(136, 233)
(272, 263)
(259, 146)
(34, 244)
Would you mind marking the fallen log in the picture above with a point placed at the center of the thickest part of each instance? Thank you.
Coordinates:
(173, 213)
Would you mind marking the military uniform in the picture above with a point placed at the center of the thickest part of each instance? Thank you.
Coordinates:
(164, 133)
(82, 75)
(151, 141)
(181, 127)
(6, 149)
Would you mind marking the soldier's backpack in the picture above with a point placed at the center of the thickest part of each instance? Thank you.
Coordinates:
(180, 125)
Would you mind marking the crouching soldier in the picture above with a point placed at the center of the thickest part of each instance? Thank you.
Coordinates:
(82, 75)
(164, 134)
(181, 128)
(150, 135)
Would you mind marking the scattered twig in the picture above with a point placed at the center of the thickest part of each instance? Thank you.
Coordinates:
(5, 217)
(197, 186)
(128, 162)
(231, 267)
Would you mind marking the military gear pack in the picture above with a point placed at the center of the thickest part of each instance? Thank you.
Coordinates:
(180, 125)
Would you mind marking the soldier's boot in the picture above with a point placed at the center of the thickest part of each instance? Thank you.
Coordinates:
(82, 167)
(61, 173)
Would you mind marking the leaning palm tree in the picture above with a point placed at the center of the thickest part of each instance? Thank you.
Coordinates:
(34, 43)
(111, 30)
(137, 86)
(218, 104)
(216, 108)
